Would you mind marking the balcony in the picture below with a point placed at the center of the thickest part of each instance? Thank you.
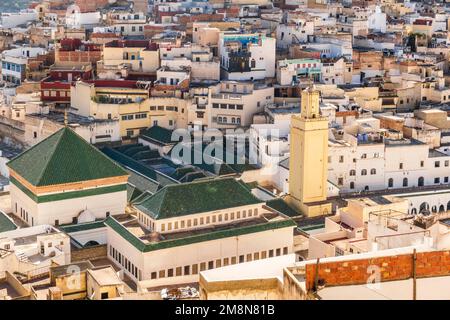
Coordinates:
(227, 96)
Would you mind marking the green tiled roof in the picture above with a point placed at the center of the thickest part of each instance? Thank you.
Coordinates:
(6, 224)
(238, 231)
(82, 226)
(281, 206)
(147, 171)
(158, 134)
(64, 157)
(196, 197)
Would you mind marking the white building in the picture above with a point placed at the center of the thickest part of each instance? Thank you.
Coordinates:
(31, 251)
(15, 61)
(12, 20)
(246, 56)
(294, 32)
(211, 224)
(63, 179)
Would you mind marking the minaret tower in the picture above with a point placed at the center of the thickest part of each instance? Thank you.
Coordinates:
(308, 164)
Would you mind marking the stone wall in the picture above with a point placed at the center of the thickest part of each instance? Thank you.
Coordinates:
(89, 253)
(398, 267)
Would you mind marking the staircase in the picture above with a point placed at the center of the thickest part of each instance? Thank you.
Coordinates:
(22, 257)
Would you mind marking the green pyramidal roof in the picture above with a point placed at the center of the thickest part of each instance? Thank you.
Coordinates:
(64, 157)
(195, 197)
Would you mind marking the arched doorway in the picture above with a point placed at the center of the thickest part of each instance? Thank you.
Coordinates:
(448, 206)
(434, 209)
(413, 211)
(91, 243)
(390, 183)
(421, 182)
(441, 208)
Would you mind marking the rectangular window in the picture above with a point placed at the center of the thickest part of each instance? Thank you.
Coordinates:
(211, 265)
(162, 274)
(270, 253)
(203, 266)
(233, 260)
(249, 257)
(170, 273)
(195, 269)
(285, 250)
(256, 256)
(278, 252)
(437, 180)
(187, 270)
(437, 164)
(153, 275)
(263, 254)
(241, 258)
(178, 271)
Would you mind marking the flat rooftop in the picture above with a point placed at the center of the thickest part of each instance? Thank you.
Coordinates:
(148, 237)
(433, 288)
(258, 269)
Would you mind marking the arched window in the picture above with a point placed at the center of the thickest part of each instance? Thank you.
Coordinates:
(420, 182)
(253, 64)
(405, 182)
(364, 172)
(366, 188)
(390, 183)
(352, 185)
(441, 208)
(364, 156)
(219, 119)
(413, 211)
(373, 171)
(448, 206)
(352, 172)
(424, 208)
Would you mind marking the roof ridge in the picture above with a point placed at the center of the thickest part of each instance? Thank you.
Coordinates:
(63, 130)
(96, 149)
(35, 146)
(162, 201)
